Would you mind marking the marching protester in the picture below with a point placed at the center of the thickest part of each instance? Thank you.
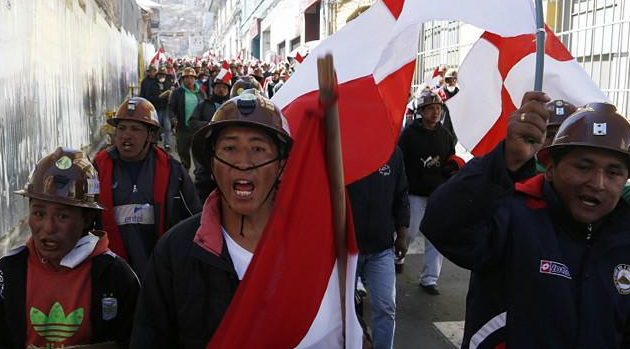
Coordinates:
(428, 151)
(195, 269)
(181, 104)
(64, 287)
(144, 190)
(157, 91)
(549, 256)
(380, 208)
(559, 111)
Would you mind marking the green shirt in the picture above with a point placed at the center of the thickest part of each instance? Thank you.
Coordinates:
(191, 100)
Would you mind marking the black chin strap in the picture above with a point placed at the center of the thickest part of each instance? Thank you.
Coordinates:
(275, 185)
(246, 168)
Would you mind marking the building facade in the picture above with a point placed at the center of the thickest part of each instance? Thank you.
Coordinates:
(596, 32)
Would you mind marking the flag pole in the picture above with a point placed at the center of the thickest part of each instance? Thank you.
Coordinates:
(334, 165)
(540, 46)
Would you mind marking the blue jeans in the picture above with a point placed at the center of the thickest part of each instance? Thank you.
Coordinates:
(377, 273)
(165, 124)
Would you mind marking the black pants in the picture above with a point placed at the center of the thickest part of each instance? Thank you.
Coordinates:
(184, 141)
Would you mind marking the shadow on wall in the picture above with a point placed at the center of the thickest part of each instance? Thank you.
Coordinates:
(63, 66)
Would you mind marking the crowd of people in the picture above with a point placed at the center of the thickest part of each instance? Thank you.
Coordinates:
(538, 220)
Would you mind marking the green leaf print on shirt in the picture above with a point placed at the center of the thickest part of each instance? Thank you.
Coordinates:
(56, 326)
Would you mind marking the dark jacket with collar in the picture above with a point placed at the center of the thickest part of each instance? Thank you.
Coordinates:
(380, 205)
(425, 154)
(187, 286)
(203, 113)
(151, 90)
(539, 279)
(177, 105)
(111, 276)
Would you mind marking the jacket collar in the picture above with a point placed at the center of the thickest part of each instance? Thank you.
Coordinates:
(208, 235)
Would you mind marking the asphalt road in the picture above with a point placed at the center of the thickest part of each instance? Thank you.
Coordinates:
(424, 321)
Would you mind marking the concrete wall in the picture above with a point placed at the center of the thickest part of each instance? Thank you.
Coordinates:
(62, 66)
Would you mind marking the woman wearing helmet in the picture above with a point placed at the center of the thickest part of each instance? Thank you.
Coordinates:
(65, 287)
(196, 268)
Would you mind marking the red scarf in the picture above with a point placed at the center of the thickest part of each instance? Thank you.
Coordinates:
(105, 175)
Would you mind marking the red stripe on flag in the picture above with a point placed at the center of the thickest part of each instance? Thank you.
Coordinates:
(281, 293)
(498, 131)
(514, 49)
(394, 6)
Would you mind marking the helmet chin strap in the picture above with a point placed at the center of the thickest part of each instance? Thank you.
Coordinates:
(274, 186)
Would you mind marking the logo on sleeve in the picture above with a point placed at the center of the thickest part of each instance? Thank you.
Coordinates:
(554, 268)
(621, 277)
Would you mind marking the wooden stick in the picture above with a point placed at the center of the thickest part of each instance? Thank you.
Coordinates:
(334, 164)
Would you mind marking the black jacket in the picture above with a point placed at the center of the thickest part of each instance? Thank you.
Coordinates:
(111, 276)
(539, 279)
(177, 105)
(185, 292)
(203, 114)
(151, 90)
(380, 205)
(425, 153)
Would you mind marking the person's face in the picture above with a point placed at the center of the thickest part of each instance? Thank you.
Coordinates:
(431, 115)
(161, 77)
(220, 90)
(245, 192)
(151, 73)
(589, 182)
(130, 139)
(189, 82)
(56, 228)
(275, 77)
(551, 133)
(451, 81)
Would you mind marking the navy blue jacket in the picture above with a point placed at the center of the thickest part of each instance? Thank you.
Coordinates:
(539, 279)
(380, 204)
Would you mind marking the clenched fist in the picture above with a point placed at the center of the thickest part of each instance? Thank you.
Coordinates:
(526, 130)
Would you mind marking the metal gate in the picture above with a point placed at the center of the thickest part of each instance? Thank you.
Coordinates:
(596, 32)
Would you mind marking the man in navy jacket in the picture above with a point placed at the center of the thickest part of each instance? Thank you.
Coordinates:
(380, 208)
(550, 256)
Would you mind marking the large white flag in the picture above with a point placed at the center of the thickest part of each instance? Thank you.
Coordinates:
(495, 75)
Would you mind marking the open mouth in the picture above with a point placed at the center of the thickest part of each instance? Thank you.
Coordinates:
(49, 245)
(243, 188)
(127, 145)
(589, 201)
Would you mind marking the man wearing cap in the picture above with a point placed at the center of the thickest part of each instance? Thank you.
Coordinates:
(550, 257)
(181, 105)
(64, 287)
(157, 91)
(145, 190)
(428, 152)
(195, 270)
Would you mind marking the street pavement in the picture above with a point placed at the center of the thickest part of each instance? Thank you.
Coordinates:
(424, 321)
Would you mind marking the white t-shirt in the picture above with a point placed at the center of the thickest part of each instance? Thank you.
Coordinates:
(240, 256)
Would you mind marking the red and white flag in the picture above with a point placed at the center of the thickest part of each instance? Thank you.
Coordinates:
(159, 57)
(495, 75)
(292, 282)
(225, 74)
(299, 58)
